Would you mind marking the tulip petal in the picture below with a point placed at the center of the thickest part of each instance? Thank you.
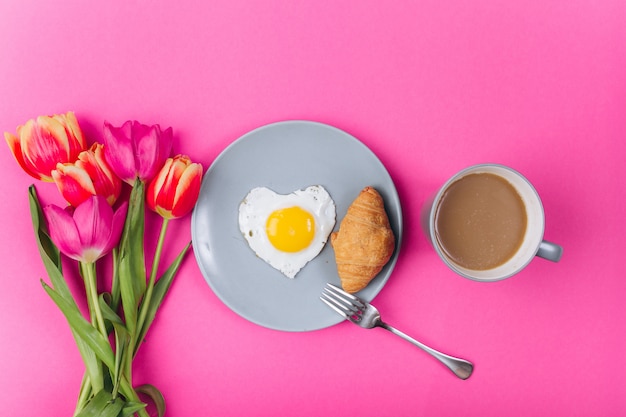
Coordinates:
(175, 189)
(153, 147)
(119, 149)
(63, 231)
(74, 183)
(98, 155)
(90, 233)
(146, 142)
(105, 182)
(42, 143)
(54, 128)
(156, 186)
(187, 190)
(89, 175)
(167, 194)
(38, 150)
(136, 150)
(117, 226)
(16, 149)
(47, 144)
(93, 219)
(74, 133)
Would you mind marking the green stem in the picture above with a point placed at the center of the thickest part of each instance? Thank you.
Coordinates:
(84, 393)
(94, 366)
(115, 284)
(145, 304)
(127, 374)
(92, 296)
(117, 370)
(131, 395)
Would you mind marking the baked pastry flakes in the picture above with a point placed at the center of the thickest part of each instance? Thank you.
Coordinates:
(364, 242)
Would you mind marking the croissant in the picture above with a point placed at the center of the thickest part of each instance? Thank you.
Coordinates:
(364, 242)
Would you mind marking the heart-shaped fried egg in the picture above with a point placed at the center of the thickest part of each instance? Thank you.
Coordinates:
(287, 231)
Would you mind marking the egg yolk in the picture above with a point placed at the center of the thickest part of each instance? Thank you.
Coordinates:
(290, 229)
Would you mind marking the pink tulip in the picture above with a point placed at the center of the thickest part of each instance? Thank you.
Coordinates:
(135, 150)
(89, 232)
(175, 189)
(43, 143)
(90, 175)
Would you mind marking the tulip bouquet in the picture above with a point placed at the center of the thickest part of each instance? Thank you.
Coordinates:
(96, 225)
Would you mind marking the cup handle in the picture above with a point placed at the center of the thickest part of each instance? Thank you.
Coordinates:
(550, 251)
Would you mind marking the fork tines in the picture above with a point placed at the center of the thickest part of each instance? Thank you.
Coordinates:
(346, 304)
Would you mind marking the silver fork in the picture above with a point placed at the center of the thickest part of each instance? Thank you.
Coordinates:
(367, 316)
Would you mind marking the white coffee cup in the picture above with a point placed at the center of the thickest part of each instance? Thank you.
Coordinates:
(532, 243)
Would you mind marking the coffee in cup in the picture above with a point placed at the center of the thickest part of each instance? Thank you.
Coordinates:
(487, 223)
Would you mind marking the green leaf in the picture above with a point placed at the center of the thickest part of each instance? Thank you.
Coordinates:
(93, 366)
(131, 408)
(45, 244)
(102, 405)
(108, 313)
(50, 254)
(129, 393)
(82, 328)
(131, 266)
(122, 339)
(51, 258)
(155, 395)
(160, 290)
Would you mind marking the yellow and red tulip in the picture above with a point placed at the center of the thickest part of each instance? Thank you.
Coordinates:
(88, 232)
(42, 143)
(175, 189)
(134, 150)
(90, 175)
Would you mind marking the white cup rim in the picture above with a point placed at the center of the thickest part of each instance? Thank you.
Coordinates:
(532, 238)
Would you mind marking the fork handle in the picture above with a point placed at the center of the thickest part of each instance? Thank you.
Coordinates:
(460, 367)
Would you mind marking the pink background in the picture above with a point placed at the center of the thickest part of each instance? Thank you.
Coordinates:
(431, 87)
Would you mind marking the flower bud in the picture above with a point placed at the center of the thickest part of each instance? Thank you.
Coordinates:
(90, 175)
(135, 150)
(88, 232)
(175, 189)
(42, 143)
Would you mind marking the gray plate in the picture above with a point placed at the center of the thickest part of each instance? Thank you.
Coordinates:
(284, 157)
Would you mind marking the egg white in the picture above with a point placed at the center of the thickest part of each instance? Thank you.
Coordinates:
(260, 202)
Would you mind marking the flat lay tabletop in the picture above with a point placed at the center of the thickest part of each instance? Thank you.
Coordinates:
(399, 96)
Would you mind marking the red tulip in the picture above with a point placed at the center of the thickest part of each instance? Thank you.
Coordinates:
(42, 143)
(90, 175)
(89, 232)
(175, 189)
(135, 150)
